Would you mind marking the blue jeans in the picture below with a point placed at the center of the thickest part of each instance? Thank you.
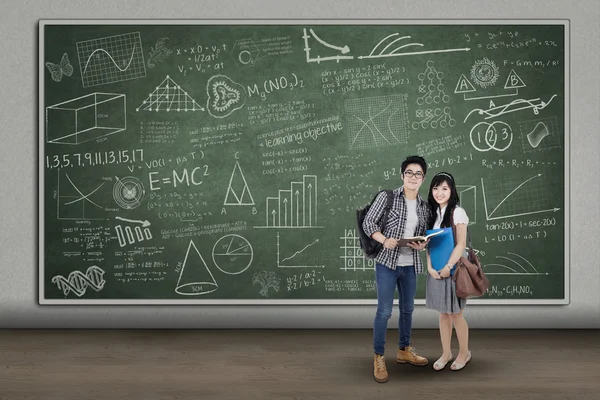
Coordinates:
(405, 279)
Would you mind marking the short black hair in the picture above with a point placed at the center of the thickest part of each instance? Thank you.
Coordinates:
(414, 160)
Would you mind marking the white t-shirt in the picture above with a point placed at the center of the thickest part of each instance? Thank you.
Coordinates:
(405, 257)
(460, 217)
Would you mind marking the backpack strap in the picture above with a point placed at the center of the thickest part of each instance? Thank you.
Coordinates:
(388, 207)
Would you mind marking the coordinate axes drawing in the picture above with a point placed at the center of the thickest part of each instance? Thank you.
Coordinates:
(526, 198)
(111, 59)
(288, 262)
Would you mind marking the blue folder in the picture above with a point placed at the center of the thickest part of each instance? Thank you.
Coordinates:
(440, 248)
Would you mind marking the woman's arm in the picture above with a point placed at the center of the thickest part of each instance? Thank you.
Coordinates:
(461, 244)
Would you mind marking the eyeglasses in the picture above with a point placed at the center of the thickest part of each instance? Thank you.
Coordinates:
(410, 174)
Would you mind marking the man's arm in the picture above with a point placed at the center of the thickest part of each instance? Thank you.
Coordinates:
(370, 225)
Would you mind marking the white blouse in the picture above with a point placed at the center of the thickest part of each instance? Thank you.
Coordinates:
(460, 217)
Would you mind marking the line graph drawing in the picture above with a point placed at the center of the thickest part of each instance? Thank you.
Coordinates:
(525, 198)
(78, 282)
(354, 258)
(167, 96)
(195, 278)
(307, 49)
(497, 111)
(377, 121)
(516, 268)
(511, 86)
(111, 59)
(294, 208)
(395, 51)
(73, 204)
(232, 254)
(294, 264)
(540, 134)
(238, 184)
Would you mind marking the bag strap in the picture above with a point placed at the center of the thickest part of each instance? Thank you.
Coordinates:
(454, 232)
(388, 207)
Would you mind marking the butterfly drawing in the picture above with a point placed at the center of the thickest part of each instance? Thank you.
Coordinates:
(58, 70)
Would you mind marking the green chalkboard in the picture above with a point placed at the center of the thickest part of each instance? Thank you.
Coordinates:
(206, 162)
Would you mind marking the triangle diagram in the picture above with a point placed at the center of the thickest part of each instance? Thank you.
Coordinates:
(463, 85)
(238, 192)
(195, 278)
(513, 81)
(169, 96)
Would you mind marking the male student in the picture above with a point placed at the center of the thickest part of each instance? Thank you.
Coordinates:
(397, 266)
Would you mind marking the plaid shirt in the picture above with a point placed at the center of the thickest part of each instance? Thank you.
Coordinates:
(395, 225)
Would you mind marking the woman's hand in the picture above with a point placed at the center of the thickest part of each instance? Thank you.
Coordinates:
(445, 272)
(434, 274)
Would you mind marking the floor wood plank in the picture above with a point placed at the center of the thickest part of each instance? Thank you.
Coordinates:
(286, 364)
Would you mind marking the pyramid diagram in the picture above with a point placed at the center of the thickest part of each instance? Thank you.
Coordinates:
(195, 278)
(238, 192)
(169, 96)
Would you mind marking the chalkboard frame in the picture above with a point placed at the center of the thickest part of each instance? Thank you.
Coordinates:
(42, 77)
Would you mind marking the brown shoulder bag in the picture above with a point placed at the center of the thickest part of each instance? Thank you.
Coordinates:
(469, 277)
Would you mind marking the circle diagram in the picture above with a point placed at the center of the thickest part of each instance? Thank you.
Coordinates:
(232, 254)
(495, 136)
(128, 192)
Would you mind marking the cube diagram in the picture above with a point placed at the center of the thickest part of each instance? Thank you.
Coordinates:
(85, 118)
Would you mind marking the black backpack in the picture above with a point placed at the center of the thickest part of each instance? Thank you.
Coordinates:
(370, 246)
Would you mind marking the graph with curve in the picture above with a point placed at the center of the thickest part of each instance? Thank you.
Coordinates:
(111, 59)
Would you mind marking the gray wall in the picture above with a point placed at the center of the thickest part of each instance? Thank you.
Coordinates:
(18, 163)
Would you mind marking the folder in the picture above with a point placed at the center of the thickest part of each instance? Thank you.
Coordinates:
(440, 248)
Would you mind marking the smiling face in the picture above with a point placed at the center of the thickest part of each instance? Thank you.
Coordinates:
(413, 177)
(441, 193)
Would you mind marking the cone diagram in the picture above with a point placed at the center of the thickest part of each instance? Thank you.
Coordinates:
(195, 278)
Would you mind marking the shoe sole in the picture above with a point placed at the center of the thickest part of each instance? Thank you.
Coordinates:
(411, 363)
(380, 380)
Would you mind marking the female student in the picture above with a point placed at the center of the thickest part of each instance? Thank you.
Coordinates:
(440, 288)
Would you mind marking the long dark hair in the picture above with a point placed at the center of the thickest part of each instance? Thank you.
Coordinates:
(453, 201)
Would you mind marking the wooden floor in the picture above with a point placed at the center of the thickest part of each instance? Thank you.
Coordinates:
(272, 364)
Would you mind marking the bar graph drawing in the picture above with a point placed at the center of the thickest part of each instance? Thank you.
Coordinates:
(296, 207)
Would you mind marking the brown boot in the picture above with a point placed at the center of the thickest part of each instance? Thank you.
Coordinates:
(379, 370)
(409, 355)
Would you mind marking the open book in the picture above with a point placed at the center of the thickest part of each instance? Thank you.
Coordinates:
(404, 241)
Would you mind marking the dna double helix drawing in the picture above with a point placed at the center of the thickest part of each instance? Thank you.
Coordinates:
(78, 282)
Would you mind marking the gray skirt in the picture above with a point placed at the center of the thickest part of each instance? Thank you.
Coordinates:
(440, 295)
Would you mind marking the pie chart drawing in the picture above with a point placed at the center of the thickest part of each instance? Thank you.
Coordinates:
(232, 254)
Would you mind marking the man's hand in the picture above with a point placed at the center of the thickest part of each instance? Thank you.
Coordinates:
(418, 245)
(390, 243)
